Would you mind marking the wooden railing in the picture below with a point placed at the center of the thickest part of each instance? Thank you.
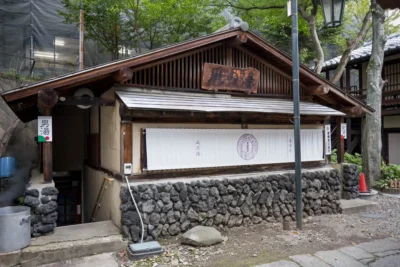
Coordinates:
(389, 97)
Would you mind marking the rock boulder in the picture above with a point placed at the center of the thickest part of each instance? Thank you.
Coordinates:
(201, 236)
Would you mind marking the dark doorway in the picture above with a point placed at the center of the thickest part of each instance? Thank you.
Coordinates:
(69, 199)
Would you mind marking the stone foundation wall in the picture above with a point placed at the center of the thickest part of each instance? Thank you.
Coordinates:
(350, 181)
(42, 198)
(171, 208)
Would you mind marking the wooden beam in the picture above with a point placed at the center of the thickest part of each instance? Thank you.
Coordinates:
(391, 112)
(389, 102)
(353, 111)
(391, 93)
(340, 141)
(153, 116)
(240, 39)
(317, 90)
(86, 101)
(123, 75)
(47, 98)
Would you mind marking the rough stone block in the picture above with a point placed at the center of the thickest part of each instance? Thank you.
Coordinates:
(356, 253)
(338, 259)
(308, 260)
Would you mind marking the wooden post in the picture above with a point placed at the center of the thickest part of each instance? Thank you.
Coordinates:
(348, 141)
(340, 141)
(348, 79)
(47, 98)
(126, 146)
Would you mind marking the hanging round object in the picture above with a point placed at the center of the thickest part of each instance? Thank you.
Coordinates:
(84, 92)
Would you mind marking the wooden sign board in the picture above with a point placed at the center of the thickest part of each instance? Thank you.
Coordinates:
(220, 77)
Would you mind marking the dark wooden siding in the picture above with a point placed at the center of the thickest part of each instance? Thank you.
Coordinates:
(185, 71)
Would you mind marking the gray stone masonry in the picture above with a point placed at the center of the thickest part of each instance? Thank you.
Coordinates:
(350, 181)
(42, 198)
(171, 208)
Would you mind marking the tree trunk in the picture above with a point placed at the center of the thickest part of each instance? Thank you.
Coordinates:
(317, 44)
(351, 44)
(372, 142)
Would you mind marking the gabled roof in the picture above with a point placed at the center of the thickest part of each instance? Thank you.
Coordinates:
(98, 75)
(364, 52)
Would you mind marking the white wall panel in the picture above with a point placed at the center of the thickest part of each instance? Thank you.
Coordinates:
(200, 148)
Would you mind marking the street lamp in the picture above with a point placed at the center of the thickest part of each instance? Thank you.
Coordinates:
(333, 12)
(296, 89)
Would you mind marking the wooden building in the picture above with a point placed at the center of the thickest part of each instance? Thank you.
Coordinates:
(354, 81)
(169, 113)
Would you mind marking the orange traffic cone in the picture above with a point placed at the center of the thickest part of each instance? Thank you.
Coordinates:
(363, 185)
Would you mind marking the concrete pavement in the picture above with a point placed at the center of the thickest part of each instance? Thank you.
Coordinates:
(378, 253)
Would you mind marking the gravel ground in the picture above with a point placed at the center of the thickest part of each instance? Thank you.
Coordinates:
(267, 242)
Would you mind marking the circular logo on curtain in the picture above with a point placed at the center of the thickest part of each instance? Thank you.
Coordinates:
(247, 146)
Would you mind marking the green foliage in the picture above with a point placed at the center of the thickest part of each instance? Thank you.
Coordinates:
(348, 158)
(388, 172)
(354, 159)
(14, 75)
(153, 23)
(269, 18)
(19, 201)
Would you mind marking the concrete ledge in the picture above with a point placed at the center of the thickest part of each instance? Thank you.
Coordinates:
(10, 258)
(67, 243)
(357, 205)
(37, 255)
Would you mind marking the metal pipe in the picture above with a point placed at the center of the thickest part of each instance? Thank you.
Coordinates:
(31, 39)
(296, 112)
(81, 37)
(137, 209)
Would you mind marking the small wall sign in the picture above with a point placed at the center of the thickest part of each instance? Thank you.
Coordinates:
(328, 142)
(45, 129)
(343, 131)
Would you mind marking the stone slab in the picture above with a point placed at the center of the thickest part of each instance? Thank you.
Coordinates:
(356, 253)
(389, 261)
(387, 253)
(351, 206)
(308, 260)
(381, 245)
(367, 261)
(11, 258)
(38, 255)
(105, 259)
(279, 264)
(338, 259)
(78, 232)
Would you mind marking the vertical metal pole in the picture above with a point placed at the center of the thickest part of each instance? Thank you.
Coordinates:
(296, 112)
(31, 54)
(81, 37)
(54, 54)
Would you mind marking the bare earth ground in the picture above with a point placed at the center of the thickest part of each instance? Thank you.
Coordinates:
(267, 242)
